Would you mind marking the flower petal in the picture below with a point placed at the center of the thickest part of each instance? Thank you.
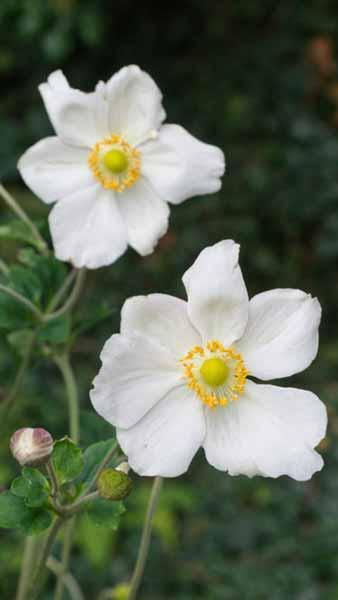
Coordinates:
(87, 228)
(217, 297)
(281, 337)
(53, 169)
(135, 375)
(146, 216)
(135, 104)
(162, 318)
(78, 118)
(165, 441)
(269, 431)
(179, 166)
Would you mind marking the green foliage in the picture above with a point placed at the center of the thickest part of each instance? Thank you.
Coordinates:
(16, 514)
(67, 460)
(104, 513)
(93, 456)
(32, 486)
(19, 231)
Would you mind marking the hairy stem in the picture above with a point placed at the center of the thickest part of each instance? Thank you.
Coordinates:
(145, 539)
(16, 208)
(38, 577)
(61, 291)
(19, 376)
(64, 365)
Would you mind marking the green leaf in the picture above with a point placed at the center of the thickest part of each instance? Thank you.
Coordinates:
(37, 521)
(17, 230)
(13, 511)
(67, 459)
(56, 331)
(49, 271)
(20, 340)
(32, 486)
(104, 513)
(93, 456)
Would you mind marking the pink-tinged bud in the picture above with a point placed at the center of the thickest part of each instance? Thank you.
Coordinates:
(31, 446)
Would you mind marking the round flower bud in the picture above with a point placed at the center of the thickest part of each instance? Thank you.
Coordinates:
(113, 484)
(31, 446)
(121, 592)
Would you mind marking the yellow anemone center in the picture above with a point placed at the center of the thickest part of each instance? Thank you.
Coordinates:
(116, 161)
(214, 371)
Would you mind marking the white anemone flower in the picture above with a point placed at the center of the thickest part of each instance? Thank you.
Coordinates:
(113, 167)
(178, 377)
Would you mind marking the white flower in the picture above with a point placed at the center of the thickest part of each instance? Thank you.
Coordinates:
(176, 378)
(113, 167)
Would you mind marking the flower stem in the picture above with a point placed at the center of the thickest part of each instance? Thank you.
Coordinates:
(61, 291)
(99, 470)
(38, 578)
(69, 580)
(145, 539)
(19, 298)
(19, 376)
(66, 549)
(68, 305)
(64, 365)
(16, 208)
(29, 557)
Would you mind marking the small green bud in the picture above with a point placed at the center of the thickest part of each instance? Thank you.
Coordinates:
(114, 485)
(121, 592)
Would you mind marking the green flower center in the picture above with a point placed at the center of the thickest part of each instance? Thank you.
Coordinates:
(214, 371)
(116, 161)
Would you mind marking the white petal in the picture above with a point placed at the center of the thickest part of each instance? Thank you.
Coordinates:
(78, 118)
(165, 441)
(281, 337)
(162, 318)
(135, 104)
(87, 228)
(53, 169)
(217, 297)
(179, 166)
(135, 375)
(269, 431)
(146, 216)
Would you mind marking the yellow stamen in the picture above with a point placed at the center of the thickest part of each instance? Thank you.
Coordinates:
(114, 163)
(215, 373)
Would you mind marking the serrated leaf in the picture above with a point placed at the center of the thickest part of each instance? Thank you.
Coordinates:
(67, 459)
(105, 513)
(50, 272)
(32, 486)
(94, 455)
(13, 511)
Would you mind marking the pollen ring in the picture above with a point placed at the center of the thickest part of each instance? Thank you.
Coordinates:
(119, 179)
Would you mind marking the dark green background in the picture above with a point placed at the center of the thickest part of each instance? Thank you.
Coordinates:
(259, 79)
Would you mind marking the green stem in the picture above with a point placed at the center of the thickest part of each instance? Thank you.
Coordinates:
(74, 296)
(19, 298)
(66, 549)
(145, 539)
(38, 577)
(3, 267)
(19, 376)
(69, 580)
(61, 291)
(29, 558)
(64, 365)
(16, 208)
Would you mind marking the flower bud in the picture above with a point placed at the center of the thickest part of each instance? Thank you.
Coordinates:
(31, 446)
(114, 485)
(121, 592)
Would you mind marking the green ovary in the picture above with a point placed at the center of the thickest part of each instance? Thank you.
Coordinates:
(116, 161)
(214, 371)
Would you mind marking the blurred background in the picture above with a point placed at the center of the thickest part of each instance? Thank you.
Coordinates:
(260, 80)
